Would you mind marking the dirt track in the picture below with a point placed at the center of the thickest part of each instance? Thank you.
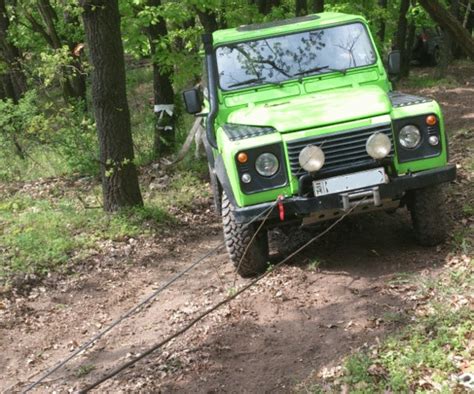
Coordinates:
(305, 317)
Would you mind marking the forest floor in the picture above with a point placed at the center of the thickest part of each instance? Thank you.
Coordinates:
(349, 291)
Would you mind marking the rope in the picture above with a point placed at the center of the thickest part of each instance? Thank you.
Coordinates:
(160, 344)
(151, 297)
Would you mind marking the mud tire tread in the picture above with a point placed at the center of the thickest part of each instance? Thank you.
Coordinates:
(237, 238)
(429, 216)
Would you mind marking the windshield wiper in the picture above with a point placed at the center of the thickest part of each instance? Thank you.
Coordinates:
(246, 82)
(254, 80)
(317, 69)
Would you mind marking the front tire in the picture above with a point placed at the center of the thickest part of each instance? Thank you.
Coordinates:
(428, 213)
(248, 252)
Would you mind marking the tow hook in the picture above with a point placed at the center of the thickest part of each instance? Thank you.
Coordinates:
(281, 207)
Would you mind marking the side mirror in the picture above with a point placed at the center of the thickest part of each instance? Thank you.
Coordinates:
(192, 101)
(394, 63)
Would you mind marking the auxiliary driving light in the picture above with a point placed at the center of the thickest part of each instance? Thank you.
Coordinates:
(378, 146)
(246, 178)
(312, 158)
(433, 140)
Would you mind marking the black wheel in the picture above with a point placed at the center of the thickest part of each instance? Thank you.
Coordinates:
(216, 190)
(436, 57)
(428, 213)
(247, 251)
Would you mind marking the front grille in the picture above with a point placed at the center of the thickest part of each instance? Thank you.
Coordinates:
(342, 150)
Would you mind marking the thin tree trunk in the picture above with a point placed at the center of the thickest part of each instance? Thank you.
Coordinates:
(445, 56)
(16, 86)
(401, 43)
(467, 14)
(164, 137)
(317, 6)
(208, 20)
(265, 6)
(383, 25)
(301, 7)
(450, 24)
(408, 51)
(119, 174)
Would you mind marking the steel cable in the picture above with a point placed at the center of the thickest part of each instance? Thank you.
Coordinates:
(215, 307)
(151, 297)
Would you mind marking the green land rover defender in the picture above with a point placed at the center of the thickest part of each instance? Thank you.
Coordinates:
(302, 111)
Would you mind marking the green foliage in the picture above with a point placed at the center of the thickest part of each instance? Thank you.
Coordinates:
(183, 190)
(36, 126)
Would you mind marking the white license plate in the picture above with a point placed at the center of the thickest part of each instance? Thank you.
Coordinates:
(344, 183)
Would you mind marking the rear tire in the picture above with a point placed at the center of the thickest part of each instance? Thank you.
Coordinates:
(428, 213)
(247, 251)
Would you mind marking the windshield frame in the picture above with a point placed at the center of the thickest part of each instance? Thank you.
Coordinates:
(298, 77)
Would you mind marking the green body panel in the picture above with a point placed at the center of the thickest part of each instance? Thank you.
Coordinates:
(316, 109)
(310, 106)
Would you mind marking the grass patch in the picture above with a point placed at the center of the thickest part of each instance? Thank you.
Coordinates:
(84, 370)
(38, 236)
(183, 190)
(47, 233)
(425, 81)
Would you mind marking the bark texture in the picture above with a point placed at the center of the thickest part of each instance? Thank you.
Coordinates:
(317, 6)
(401, 43)
(301, 7)
(73, 81)
(119, 174)
(164, 138)
(14, 80)
(450, 24)
(265, 6)
(208, 20)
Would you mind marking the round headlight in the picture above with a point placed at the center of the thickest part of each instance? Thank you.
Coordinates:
(378, 146)
(312, 158)
(267, 164)
(410, 137)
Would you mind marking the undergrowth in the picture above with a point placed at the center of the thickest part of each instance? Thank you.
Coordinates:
(42, 235)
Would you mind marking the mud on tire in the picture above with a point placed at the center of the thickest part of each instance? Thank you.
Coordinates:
(250, 258)
(428, 213)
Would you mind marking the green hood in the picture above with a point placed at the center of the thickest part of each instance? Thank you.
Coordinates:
(316, 109)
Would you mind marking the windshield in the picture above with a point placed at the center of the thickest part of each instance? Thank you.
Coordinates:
(276, 59)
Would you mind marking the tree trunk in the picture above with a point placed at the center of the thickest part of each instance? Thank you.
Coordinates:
(16, 84)
(265, 6)
(301, 7)
(445, 56)
(119, 175)
(72, 80)
(383, 25)
(468, 18)
(450, 24)
(317, 6)
(408, 50)
(401, 43)
(208, 20)
(164, 137)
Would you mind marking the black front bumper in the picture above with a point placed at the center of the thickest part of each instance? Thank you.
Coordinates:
(298, 207)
